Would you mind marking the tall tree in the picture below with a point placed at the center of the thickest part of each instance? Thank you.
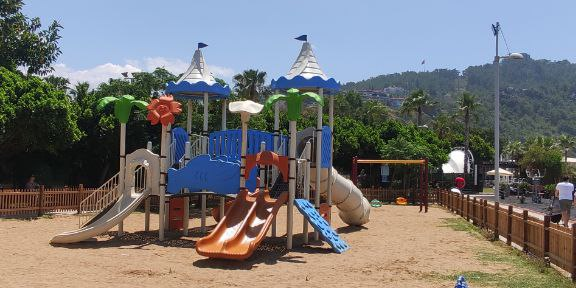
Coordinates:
(416, 102)
(567, 143)
(468, 104)
(250, 84)
(22, 41)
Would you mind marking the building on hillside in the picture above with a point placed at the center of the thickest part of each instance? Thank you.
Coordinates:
(392, 97)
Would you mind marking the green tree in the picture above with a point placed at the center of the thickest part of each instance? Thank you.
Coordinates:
(468, 104)
(416, 102)
(250, 84)
(567, 143)
(34, 118)
(22, 41)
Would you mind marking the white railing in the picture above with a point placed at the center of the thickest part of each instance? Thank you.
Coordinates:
(107, 194)
(91, 203)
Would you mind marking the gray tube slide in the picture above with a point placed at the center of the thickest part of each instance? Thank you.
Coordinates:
(354, 207)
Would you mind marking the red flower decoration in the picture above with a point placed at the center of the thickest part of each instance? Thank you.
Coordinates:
(163, 110)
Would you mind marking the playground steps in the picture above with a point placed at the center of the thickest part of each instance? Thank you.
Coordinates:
(320, 224)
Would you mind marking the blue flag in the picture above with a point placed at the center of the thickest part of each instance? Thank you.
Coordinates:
(302, 37)
(201, 45)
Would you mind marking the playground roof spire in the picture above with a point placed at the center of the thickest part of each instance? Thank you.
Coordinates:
(305, 72)
(197, 80)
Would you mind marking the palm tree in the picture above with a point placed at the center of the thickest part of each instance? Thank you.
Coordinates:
(250, 84)
(80, 92)
(293, 101)
(567, 143)
(468, 104)
(416, 102)
(514, 150)
(442, 124)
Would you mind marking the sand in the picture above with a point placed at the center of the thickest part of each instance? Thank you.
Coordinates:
(398, 248)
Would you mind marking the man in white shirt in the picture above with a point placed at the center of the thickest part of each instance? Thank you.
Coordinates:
(565, 194)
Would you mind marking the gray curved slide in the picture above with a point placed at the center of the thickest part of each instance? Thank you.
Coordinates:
(354, 207)
(118, 212)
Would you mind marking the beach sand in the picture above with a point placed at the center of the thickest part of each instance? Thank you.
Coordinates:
(399, 247)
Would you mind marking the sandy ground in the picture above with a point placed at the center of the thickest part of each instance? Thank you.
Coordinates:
(398, 248)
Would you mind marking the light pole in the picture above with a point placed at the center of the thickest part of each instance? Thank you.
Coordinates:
(516, 56)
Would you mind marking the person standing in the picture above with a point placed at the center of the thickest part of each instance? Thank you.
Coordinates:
(565, 194)
(31, 184)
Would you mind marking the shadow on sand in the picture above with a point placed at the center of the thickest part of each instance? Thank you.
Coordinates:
(270, 252)
(141, 239)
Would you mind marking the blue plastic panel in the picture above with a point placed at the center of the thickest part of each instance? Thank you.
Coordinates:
(326, 140)
(228, 143)
(180, 137)
(203, 173)
(316, 220)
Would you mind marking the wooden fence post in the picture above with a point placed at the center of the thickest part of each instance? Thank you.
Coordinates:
(546, 236)
(80, 194)
(509, 226)
(485, 214)
(40, 200)
(496, 220)
(474, 211)
(573, 266)
(462, 205)
(525, 233)
(468, 208)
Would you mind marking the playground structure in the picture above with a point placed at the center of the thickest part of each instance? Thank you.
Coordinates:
(422, 164)
(244, 164)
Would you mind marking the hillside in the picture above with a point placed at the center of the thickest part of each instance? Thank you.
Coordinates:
(538, 97)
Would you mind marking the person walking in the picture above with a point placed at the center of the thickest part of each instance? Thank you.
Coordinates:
(565, 194)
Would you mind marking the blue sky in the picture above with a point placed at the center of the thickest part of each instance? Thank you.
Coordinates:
(353, 40)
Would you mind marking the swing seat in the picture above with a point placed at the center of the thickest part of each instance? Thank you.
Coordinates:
(401, 201)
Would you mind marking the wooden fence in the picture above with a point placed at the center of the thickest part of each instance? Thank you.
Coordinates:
(29, 203)
(539, 237)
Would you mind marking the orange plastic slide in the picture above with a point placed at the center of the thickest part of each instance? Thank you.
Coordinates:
(243, 227)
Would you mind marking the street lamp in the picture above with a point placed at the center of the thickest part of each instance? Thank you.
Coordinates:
(512, 56)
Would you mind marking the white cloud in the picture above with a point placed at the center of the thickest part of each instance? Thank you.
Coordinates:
(102, 73)
(94, 75)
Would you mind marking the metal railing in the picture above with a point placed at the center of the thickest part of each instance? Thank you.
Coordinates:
(107, 194)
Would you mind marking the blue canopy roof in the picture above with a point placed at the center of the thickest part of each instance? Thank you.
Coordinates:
(196, 81)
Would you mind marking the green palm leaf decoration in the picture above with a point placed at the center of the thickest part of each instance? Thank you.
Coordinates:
(294, 101)
(122, 106)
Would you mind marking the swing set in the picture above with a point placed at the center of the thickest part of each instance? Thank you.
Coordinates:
(422, 164)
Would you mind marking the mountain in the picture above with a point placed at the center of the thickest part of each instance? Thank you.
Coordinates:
(537, 97)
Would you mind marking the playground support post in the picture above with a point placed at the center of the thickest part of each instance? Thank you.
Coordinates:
(425, 185)
(224, 128)
(318, 164)
(163, 168)
(147, 201)
(307, 156)
(354, 173)
(291, 185)
(331, 124)
(276, 146)
(122, 170)
(205, 151)
(186, 214)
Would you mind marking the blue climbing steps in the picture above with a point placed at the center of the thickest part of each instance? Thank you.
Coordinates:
(327, 233)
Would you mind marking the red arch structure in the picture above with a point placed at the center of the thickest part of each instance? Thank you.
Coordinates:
(267, 158)
(423, 163)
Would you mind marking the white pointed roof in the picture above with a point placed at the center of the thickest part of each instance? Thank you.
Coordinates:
(198, 71)
(306, 64)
